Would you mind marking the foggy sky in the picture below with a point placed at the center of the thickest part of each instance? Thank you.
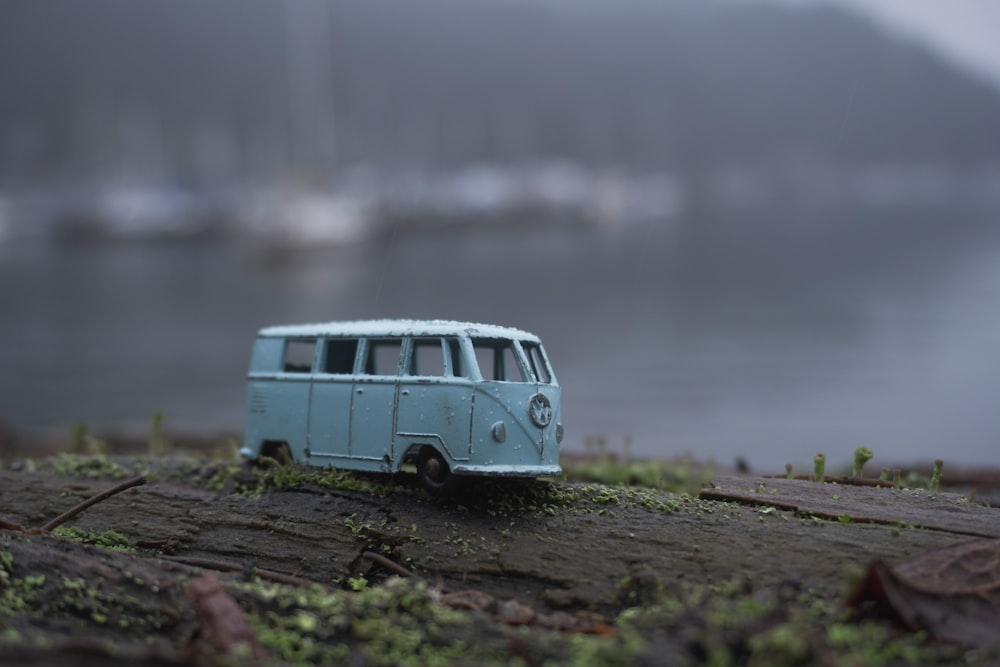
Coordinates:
(964, 31)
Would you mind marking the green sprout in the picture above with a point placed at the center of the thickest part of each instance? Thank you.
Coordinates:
(936, 476)
(819, 467)
(84, 443)
(861, 456)
(158, 445)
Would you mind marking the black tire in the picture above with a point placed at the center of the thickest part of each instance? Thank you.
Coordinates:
(434, 472)
(280, 452)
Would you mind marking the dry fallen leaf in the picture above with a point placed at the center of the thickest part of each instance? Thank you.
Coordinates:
(953, 593)
(223, 625)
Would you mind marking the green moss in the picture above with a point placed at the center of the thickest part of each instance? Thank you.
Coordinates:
(783, 644)
(111, 540)
(399, 623)
(404, 622)
(678, 476)
(731, 623)
(85, 465)
(495, 497)
(217, 475)
(21, 594)
(269, 476)
(873, 644)
(6, 564)
(44, 606)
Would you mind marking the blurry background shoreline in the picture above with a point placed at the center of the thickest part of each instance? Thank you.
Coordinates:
(742, 229)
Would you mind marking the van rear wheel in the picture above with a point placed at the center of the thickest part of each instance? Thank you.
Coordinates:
(279, 451)
(434, 472)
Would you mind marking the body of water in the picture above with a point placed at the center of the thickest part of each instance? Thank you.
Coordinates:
(767, 337)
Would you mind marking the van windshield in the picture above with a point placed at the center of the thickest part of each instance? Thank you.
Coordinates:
(498, 360)
(538, 363)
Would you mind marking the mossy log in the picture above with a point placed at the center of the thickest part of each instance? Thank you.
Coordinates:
(583, 551)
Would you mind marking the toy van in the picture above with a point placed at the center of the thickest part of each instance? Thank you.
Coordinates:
(455, 399)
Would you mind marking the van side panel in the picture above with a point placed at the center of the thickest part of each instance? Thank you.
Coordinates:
(286, 415)
(277, 403)
(373, 420)
(330, 418)
(266, 356)
(435, 411)
(373, 403)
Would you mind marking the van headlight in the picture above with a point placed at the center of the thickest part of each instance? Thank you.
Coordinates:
(499, 432)
(559, 433)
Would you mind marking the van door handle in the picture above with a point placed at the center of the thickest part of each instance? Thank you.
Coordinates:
(360, 391)
(405, 392)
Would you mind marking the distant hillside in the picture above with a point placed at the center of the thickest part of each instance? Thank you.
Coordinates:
(655, 83)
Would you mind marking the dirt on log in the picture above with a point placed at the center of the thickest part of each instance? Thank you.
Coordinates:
(550, 556)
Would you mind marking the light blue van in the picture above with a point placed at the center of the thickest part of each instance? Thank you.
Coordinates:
(454, 398)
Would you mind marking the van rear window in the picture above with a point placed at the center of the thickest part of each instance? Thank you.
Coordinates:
(299, 356)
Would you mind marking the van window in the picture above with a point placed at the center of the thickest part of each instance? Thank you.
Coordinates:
(458, 368)
(536, 359)
(340, 354)
(383, 356)
(299, 356)
(497, 360)
(427, 357)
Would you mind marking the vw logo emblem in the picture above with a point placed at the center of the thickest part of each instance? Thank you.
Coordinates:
(540, 410)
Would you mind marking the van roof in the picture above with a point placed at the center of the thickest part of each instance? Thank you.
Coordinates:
(401, 327)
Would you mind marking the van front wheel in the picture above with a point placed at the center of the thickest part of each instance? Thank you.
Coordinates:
(433, 471)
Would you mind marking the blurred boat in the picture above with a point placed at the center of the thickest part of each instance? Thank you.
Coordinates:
(278, 220)
(138, 213)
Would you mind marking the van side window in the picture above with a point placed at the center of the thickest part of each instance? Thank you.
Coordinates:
(458, 368)
(536, 359)
(383, 356)
(299, 356)
(427, 358)
(340, 353)
(497, 360)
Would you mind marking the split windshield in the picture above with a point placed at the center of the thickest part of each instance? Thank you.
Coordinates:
(499, 361)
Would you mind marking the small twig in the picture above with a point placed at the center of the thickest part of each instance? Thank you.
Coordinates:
(69, 514)
(389, 564)
(221, 566)
(10, 525)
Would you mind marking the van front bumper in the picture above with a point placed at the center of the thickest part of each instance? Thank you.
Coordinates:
(507, 470)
